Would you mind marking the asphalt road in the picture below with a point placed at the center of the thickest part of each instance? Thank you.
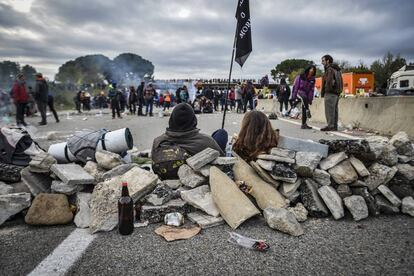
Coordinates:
(376, 246)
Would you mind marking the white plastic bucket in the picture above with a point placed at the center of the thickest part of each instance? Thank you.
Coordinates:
(116, 141)
(61, 152)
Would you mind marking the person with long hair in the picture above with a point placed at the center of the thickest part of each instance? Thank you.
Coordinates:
(255, 137)
(303, 89)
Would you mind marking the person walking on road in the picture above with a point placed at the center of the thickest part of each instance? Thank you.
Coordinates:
(331, 89)
(149, 94)
(140, 98)
(132, 100)
(20, 98)
(239, 98)
(303, 90)
(51, 104)
(283, 95)
(115, 97)
(41, 97)
(249, 96)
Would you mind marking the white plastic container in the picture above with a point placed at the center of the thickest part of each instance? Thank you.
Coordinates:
(116, 141)
(61, 152)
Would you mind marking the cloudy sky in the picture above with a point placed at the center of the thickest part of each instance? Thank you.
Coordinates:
(194, 38)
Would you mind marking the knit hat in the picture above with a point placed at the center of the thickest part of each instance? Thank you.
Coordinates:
(182, 118)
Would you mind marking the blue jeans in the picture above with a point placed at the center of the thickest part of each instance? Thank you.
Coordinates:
(148, 105)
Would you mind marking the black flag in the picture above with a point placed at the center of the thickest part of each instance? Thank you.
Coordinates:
(243, 33)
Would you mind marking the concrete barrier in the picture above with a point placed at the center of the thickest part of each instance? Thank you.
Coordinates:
(388, 115)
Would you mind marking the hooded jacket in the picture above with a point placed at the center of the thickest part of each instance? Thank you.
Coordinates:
(41, 90)
(304, 87)
(328, 80)
(19, 93)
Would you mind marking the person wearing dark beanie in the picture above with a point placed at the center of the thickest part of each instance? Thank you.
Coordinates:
(182, 131)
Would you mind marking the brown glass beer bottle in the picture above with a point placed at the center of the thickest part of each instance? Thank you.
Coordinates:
(125, 212)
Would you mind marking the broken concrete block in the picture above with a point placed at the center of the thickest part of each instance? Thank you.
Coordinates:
(332, 200)
(299, 211)
(407, 206)
(332, 160)
(297, 144)
(161, 195)
(264, 193)
(104, 201)
(321, 177)
(403, 144)
(379, 175)
(288, 189)
(389, 156)
(118, 170)
(12, 204)
(266, 164)
(224, 161)
(173, 184)
(202, 158)
(276, 158)
(311, 199)
(283, 220)
(189, 177)
(343, 190)
(5, 189)
(264, 175)
(201, 198)
(93, 169)
(283, 153)
(405, 159)
(284, 173)
(36, 182)
(234, 206)
(49, 209)
(343, 173)
(306, 163)
(385, 206)
(369, 199)
(377, 144)
(205, 171)
(108, 160)
(72, 174)
(388, 194)
(357, 206)
(10, 173)
(156, 214)
(83, 215)
(406, 170)
(359, 167)
(205, 221)
(41, 162)
(63, 188)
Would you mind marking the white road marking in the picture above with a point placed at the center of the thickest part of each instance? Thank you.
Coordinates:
(65, 255)
(337, 133)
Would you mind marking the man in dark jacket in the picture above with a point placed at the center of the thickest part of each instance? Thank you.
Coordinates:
(182, 131)
(331, 89)
(115, 96)
(140, 98)
(41, 96)
(20, 98)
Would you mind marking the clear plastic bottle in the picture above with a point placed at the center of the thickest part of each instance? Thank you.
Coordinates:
(229, 150)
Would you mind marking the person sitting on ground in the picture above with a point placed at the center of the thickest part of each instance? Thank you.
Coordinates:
(255, 137)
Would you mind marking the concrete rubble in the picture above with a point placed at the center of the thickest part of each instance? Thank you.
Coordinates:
(12, 204)
(283, 221)
(36, 182)
(321, 177)
(343, 173)
(332, 200)
(306, 163)
(49, 209)
(189, 177)
(60, 187)
(332, 160)
(41, 163)
(407, 206)
(357, 206)
(205, 221)
(72, 174)
(156, 214)
(108, 160)
(83, 215)
(202, 158)
(201, 198)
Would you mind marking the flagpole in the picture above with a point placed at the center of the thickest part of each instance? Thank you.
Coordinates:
(228, 85)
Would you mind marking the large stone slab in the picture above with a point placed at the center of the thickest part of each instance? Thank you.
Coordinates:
(332, 160)
(373, 208)
(264, 175)
(388, 194)
(306, 163)
(343, 173)
(189, 177)
(49, 209)
(63, 188)
(407, 206)
(359, 167)
(36, 182)
(83, 215)
(234, 206)
(160, 195)
(5, 189)
(385, 206)
(332, 200)
(357, 147)
(343, 190)
(284, 173)
(288, 189)
(283, 153)
(155, 214)
(297, 144)
(276, 158)
(108, 160)
(266, 164)
(41, 162)
(311, 199)
(299, 211)
(283, 221)
(72, 174)
(12, 204)
(321, 177)
(357, 206)
(264, 193)
(201, 198)
(224, 161)
(389, 156)
(118, 170)
(202, 158)
(406, 170)
(104, 201)
(173, 184)
(377, 144)
(205, 221)
(379, 175)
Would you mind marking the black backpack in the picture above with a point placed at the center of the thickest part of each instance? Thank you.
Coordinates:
(167, 159)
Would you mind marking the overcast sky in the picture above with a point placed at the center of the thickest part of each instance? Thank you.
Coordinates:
(194, 38)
